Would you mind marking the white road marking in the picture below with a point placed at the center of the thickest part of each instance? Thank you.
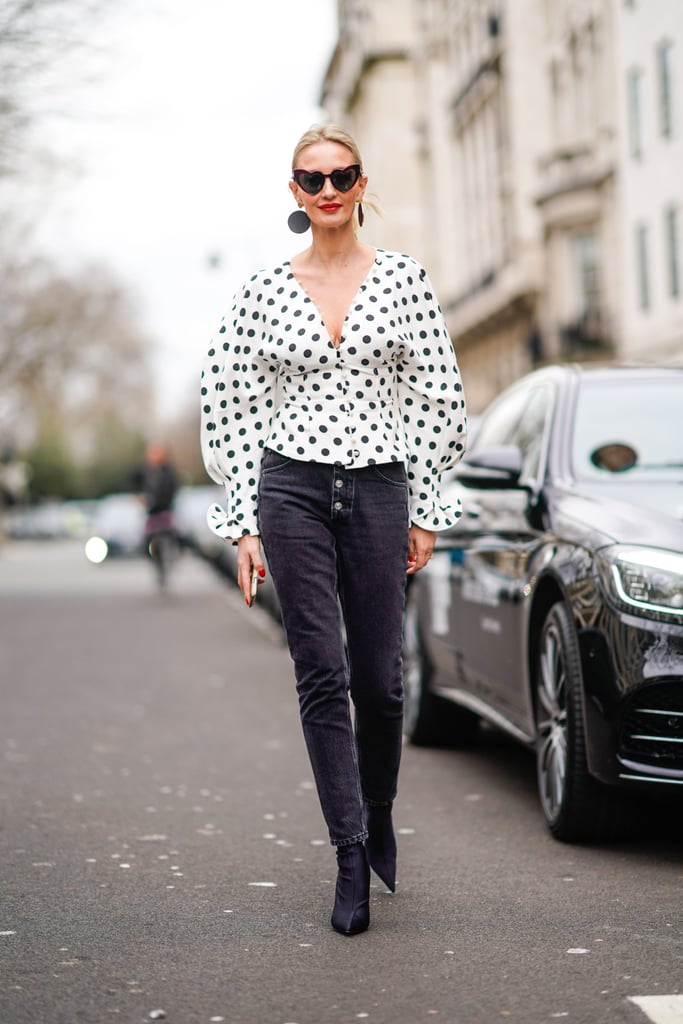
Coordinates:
(661, 1009)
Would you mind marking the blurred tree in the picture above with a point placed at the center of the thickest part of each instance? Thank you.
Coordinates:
(118, 449)
(72, 356)
(183, 440)
(72, 363)
(35, 36)
(70, 352)
(52, 469)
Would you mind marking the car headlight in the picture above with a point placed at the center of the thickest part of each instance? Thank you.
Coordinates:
(648, 581)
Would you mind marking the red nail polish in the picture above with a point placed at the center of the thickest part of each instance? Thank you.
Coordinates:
(262, 573)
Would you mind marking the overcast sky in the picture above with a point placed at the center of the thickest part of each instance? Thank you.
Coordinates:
(184, 139)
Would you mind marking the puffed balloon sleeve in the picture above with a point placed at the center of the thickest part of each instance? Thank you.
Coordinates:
(237, 402)
(432, 404)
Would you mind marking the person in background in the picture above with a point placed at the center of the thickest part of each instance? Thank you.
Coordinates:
(331, 404)
(155, 480)
(156, 483)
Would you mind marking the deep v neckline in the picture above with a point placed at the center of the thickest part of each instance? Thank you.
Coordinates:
(354, 297)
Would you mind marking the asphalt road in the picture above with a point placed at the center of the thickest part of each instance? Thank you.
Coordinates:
(162, 849)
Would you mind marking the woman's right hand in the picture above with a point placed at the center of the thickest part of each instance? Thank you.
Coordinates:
(248, 556)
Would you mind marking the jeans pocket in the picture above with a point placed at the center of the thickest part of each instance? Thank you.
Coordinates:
(273, 461)
(393, 473)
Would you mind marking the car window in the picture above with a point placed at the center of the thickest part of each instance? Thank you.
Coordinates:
(517, 418)
(498, 423)
(628, 428)
(530, 430)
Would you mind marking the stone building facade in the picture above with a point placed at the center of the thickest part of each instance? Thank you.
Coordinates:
(482, 103)
(495, 133)
(577, 195)
(371, 88)
(649, 59)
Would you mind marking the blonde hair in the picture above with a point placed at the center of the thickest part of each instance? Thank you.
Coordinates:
(326, 133)
(332, 133)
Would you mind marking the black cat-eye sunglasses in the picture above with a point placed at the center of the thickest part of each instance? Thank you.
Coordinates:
(343, 179)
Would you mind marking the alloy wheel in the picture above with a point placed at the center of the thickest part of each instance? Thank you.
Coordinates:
(552, 722)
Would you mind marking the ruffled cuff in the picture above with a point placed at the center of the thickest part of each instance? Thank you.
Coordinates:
(224, 525)
(438, 517)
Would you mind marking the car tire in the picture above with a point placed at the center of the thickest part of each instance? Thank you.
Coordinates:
(428, 719)
(577, 808)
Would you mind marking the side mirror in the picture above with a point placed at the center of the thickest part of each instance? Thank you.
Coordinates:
(496, 468)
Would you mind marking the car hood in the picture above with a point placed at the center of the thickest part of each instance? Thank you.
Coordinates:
(644, 513)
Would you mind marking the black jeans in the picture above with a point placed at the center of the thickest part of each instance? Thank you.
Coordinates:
(333, 536)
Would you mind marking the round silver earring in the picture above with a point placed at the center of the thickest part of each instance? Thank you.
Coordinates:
(298, 222)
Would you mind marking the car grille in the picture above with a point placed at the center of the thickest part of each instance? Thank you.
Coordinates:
(652, 727)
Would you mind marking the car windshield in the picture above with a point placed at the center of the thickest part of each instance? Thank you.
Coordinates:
(629, 429)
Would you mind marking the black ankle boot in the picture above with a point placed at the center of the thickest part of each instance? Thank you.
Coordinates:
(351, 912)
(381, 844)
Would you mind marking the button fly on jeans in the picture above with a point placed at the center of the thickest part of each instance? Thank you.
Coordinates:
(337, 505)
(338, 483)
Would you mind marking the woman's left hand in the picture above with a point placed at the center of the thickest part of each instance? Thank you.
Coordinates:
(420, 547)
(249, 557)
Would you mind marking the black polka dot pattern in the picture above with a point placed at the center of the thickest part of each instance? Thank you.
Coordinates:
(391, 392)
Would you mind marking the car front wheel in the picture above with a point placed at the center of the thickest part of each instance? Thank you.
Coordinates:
(576, 806)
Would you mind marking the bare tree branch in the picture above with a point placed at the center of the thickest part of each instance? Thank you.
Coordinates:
(70, 352)
(35, 38)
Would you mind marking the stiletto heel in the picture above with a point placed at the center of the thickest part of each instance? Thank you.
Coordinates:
(381, 844)
(351, 913)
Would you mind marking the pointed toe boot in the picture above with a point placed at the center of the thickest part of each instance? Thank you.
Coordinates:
(381, 844)
(351, 913)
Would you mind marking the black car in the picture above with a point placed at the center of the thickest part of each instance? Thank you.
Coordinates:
(554, 609)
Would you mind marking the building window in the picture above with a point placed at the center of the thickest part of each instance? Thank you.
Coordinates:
(671, 232)
(665, 76)
(635, 85)
(588, 328)
(642, 266)
(587, 273)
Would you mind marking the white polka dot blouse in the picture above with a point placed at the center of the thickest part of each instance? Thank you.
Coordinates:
(390, 392)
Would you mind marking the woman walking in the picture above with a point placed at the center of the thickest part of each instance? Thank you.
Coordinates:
(331, 405)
